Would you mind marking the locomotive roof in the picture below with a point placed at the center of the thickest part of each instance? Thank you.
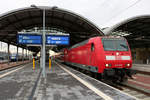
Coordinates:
(86, 41)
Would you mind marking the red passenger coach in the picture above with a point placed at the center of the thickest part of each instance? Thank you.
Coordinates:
(106, 57)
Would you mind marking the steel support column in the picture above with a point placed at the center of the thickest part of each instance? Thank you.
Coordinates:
(41, 58)
(8, 53)
(22, 54)
(17, 54)
(43, 46)
(26, 53)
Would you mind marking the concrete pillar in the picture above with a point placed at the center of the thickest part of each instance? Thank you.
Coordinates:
(8, 53)
(142, 55)
(139, 59)
(147, 54)
(137, 54)
(17, 54)
(133, 52)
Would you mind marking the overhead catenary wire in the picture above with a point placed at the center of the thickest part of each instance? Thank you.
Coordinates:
(122, 11)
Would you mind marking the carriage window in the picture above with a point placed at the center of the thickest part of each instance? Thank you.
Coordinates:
(92, 47)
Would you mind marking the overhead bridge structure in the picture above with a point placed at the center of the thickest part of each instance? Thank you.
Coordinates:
(14, 21)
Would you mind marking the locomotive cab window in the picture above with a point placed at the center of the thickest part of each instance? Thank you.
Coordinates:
(114, 44)
(92, 47)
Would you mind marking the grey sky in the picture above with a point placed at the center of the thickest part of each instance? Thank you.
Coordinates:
(101, 12)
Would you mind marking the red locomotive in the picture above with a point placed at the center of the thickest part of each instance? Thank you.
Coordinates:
(106, 57)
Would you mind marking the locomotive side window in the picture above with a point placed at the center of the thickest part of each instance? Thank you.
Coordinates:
(92, 47)
(79, 44)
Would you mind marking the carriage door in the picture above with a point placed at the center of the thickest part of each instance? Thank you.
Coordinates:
(92, 53)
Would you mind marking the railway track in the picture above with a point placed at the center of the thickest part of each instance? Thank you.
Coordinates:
(129, 90)
(141, 95)
(142, 72)
(3, 61)
(134, 92)
(5, 66)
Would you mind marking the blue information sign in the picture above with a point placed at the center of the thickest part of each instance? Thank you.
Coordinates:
(29, 39)
(57, 39)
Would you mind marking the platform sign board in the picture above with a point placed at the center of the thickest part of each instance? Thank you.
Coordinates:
(29, 39)
(57, 39)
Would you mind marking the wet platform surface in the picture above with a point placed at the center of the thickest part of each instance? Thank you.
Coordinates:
(18, 85)
(60, 85)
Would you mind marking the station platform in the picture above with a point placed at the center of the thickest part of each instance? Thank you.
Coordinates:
(61, 83)
(17, 83)
(142, 67)
(141, 80)
(64, 83)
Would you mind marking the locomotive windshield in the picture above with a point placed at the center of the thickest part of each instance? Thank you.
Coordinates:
(111, 44)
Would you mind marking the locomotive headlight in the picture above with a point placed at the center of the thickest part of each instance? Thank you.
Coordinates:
(106, 65)
(128, 64)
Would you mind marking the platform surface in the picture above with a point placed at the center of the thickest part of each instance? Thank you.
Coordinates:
(141, 67)
(19, 84)
(60, 85)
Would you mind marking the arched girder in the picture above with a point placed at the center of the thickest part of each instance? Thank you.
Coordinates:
(25, 18)
(138, 26)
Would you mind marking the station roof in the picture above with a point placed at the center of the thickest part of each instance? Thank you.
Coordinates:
(14, 21)
(137, 30)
